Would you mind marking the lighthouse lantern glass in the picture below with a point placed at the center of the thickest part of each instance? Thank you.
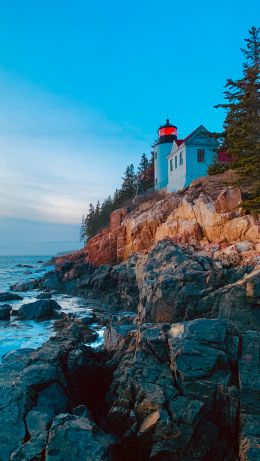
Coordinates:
(167, 131)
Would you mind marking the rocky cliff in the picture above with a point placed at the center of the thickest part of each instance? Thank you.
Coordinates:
(206, 216)
(177, 284)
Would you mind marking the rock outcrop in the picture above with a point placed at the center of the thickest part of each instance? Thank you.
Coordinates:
(39, 310)
(5, 311)
(177, 284)
(177, 392)
(7, 296)
(183, 391)
(197, 217)
(35, 386)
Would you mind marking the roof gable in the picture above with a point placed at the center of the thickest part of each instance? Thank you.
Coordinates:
(200, 133)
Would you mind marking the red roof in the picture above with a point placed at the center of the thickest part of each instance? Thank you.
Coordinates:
(179, 141)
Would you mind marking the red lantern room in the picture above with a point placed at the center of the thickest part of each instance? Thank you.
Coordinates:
(167, 132)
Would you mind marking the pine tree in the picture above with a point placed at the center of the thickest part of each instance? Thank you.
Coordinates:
(242, 123)
(89, 223)
(128, 187)
(142, 174)
(82, 229)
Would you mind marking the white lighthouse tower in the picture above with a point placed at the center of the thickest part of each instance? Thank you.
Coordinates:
(167, 134)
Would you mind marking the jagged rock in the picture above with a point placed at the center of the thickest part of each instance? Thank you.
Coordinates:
(39, 310)
(77, 438)
(229, 256)
(5, 311)
(44, 296)
(6, 296)
(173, 394)
(51, 282)
(35, 386)
(114, 335)
(176, 283)
(203, 214)
(228, 200)
(26, 286)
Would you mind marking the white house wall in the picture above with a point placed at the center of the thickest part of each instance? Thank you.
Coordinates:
(177, 177)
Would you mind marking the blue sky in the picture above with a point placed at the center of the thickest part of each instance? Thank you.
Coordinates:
(83, 88)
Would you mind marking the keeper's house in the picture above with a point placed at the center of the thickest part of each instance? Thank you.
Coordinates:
(177, 162)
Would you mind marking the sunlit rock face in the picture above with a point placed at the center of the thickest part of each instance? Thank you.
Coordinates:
(207, 216)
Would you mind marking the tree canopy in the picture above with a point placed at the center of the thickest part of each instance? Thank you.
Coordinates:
(241, 136)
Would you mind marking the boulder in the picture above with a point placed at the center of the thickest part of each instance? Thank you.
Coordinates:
(228, 200)
(76, 438)
(26, 286)
(44, 296)
(5, 311)
(39, 310)
(7, 296)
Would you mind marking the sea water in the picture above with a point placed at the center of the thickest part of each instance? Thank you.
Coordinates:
(16, 334)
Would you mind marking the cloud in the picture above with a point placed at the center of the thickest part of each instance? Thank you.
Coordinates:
(57, 156)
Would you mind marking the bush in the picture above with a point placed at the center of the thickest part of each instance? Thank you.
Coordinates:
(217, 168)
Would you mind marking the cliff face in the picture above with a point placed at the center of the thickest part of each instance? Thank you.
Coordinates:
(181, 370)
(207, 216)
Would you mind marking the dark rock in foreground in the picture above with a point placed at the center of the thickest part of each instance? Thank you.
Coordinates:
(177, 393)
(6, 296)
(39, 310)
(182, 392)
(35, 386)
(5, 311)
(75, 438)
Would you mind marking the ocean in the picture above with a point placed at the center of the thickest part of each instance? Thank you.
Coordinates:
(16, 334)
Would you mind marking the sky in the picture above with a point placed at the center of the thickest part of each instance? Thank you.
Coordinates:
(84, 86)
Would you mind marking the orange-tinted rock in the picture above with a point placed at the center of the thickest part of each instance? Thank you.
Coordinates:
(193, 217)
(228, 200)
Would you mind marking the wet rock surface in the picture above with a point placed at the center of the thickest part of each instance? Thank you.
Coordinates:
(35, 386)
(5, 311)
(39, 310)
(6, 296)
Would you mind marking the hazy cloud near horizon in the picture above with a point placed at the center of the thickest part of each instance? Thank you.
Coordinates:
(57, 156)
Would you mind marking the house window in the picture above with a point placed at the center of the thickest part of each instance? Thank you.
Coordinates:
(156, 181)
(181, 158)
(171, 165)
(201, 155)
(155, 155)
(176, 161)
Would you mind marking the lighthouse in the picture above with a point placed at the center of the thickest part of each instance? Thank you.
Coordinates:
(167, 134)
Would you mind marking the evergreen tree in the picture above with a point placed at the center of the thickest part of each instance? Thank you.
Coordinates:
(128, 187)
(89, 223)
(82, 229)
(145, 174)
(142, 174)
(242, 123)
